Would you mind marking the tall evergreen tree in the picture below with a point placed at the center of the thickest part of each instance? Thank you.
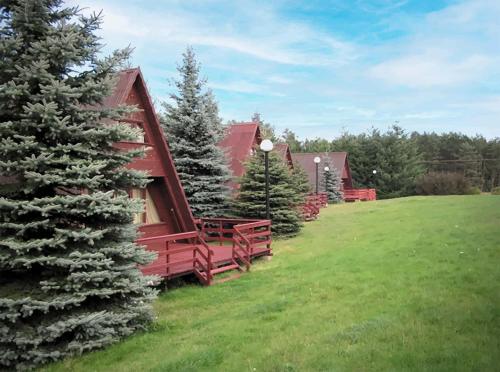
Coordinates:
(193, 129)
(392, 154)
(69, 277)
(471, 164)
(291, 139)
(212, 111)
(284, 201)
(331, 183)
(300, 182)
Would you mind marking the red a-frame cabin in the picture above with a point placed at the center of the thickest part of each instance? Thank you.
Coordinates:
(167, 224)
(240, 141)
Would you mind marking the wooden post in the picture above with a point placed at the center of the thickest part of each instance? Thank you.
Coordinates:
(167, 259)
(220, 232)
(209, 267)
(266, 165)
(194, 255)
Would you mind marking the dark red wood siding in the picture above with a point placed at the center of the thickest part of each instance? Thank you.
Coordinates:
(165, 188)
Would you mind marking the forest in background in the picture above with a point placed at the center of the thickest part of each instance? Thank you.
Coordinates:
(409, 163)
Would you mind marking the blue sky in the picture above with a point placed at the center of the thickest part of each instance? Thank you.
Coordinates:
(321, 67)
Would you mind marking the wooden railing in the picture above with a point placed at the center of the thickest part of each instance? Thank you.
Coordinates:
(360, 194)
(248, 237)
(191, 251)
(309, 211)
(254, 235)
(312, 204)
(323, 199)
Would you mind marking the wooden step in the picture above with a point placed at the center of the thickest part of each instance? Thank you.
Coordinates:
(224, 269)
(227, 278)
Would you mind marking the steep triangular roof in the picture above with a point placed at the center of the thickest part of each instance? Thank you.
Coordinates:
(283, 150)
(238, 143)
(338, 160)
(131, 88)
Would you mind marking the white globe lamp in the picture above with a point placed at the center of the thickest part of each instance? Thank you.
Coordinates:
(266, 145)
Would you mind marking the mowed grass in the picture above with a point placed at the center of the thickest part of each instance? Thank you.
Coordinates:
(403, 284)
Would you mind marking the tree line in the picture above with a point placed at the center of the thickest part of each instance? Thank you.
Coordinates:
(404, 161)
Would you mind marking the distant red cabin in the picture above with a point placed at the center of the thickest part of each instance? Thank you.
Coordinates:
(240, 141)
(338, 160)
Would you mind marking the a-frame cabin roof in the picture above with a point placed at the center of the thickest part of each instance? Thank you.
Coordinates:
(131, 89)
(283, 150)
(338, 160)
(239, 141)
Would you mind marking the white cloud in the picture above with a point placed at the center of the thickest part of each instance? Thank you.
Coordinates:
(238, 86)
(431, 69)
(429, 115)
(487, 105)
(279, 79)
(357, 111)
(457, 45)
(262, 34)
(448, 57)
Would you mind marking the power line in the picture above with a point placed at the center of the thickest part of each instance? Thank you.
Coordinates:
(457, 161)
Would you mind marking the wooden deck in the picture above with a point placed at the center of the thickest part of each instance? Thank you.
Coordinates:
(351, 195)
(312, 205)
(181, 263)
(235, 243)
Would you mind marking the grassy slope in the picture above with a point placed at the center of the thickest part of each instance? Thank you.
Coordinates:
(408, 284)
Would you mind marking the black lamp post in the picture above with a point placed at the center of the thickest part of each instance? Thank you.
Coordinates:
(267, 146)
(317, 160)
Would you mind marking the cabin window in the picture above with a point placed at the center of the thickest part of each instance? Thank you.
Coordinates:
(139, 194)
(150, 213)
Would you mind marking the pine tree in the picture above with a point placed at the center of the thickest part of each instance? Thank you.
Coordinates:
(331, 183)
(284, 201)
(300, 182)
(471, 164)
(69, 277)
(212, 111)
(193, 128)
(392, 154)
(291, 139)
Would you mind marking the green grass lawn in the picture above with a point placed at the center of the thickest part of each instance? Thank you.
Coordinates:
(403, 284)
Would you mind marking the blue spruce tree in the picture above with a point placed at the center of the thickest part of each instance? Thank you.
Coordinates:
(193, 128)
(331, 183)
(69, 277)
